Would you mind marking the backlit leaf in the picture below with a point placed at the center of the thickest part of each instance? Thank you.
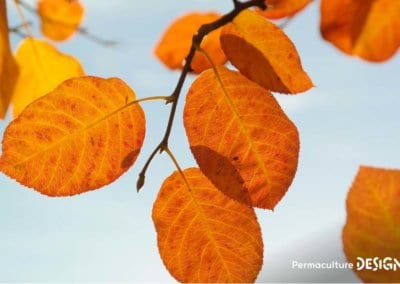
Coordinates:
(241, 138)
(264, 54)
(59, 18)
(8, 67)
(77, 138)
(369, 29)
(283, 8)
(42, 68)
(373, 221)
(204, 236)
(177, 39)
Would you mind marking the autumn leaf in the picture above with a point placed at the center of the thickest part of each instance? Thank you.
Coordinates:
(264, 54)
(8, 67)
(204, 236)
(369, 29)
(59, 18)
(79, 137)
(177, 39)
(283, 8)
(373, 221)
(42, 68)
(242, 140)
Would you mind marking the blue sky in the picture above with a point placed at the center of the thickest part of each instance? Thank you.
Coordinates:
(350, 118)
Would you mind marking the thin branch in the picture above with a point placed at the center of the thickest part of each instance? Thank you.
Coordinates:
(80, 30)
(25, 23)
(17, 29)
(196, 42)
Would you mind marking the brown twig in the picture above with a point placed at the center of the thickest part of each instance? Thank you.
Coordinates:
(196, 42)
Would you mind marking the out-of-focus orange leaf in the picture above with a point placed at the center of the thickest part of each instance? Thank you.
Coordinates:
(59, 18)
(204, 236)
(369, 29)
(241, 138)
(283, 8)
(177, 39)
(42, 68)
(77, 138)
(264, 54)
(8, 67)
(373, 221)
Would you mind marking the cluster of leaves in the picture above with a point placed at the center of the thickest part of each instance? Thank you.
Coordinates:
(74, 133)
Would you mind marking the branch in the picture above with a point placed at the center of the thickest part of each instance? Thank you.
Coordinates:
(83, 31)
(174, 98)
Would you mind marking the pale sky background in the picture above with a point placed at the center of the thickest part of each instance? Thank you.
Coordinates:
(350, 118)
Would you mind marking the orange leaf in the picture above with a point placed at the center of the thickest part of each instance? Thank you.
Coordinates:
(369, 29)
(373, 221)
(60, 18)
(283, 8)
(204, 236)
(42, 68)
(177, 39)
(8, 67)
(264, 54)
(79, 137)
(240, 137)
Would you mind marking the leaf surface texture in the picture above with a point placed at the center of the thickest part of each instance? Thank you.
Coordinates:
(204, 236)
(79, 137)
(264, 54)
(241, 138)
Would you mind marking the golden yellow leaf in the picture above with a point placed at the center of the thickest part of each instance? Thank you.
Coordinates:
(369, 29)
(177, 39)
(59, 18)
(242, 140)
(42, 68)
(8, 67)
(283, 8)
(264, 54)
(372, 228)
(79, 137)
(204, 236)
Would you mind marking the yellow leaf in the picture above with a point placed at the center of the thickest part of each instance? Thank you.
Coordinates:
(79, 137)
(177, 39)
(42, 68)
(264, 54)
(204, 236)
(372, 228)
(369, 29)
(59, 18)
(242, 140)
(8, 67)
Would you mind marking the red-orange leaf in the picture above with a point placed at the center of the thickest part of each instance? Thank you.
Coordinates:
(8, 67)
(264, 54)
(241, 138)
(60, 18)
(204, 236)
(373, 221)
(79, 137)
(177, 39)
(283, 8)
(369, 29)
